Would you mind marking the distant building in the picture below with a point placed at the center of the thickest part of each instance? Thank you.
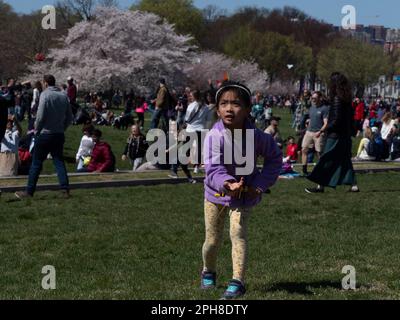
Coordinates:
(373, 34)
(393, 35)
(378, 33)
(392, 40)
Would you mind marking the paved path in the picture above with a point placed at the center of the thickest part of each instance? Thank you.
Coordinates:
(142, 182)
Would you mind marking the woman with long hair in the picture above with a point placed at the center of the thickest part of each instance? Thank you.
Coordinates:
(335, 166)
(387, 133)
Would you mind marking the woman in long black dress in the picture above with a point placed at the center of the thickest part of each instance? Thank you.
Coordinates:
(335, 166)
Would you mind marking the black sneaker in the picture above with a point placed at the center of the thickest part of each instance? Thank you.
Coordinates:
(314, 190)
(22, 195)
(65, 194)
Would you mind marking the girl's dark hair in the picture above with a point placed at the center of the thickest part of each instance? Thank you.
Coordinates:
(89, 128)
(241, 91)
(340, 87)
(97, 133)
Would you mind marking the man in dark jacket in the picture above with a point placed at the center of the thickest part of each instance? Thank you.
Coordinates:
(4, 103)
(7, 100)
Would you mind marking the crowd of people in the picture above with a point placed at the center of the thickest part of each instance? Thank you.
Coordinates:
(375, 119)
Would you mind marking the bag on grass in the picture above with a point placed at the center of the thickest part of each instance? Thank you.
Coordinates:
(376, 148)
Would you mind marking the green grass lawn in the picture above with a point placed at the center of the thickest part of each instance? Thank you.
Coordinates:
(145, 243)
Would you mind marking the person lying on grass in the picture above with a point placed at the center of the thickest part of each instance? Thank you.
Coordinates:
(227, 190)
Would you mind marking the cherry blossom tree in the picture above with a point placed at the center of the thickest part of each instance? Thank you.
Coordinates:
(210, 65)
(282, 87)
(119, 49)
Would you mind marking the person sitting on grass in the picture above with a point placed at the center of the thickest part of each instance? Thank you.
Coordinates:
(85, 147)
(292, 150)
(9, 148)
(362, 153)
(136, 147)
(228, 190)
(103, 159)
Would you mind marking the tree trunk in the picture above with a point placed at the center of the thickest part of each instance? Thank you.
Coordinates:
(360, 89)
(313, 78)
(302, 83)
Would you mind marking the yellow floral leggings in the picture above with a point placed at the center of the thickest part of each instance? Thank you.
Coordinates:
(214, 221)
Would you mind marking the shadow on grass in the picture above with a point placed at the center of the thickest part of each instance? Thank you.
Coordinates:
(29, 201)
(304, 288)
(383, 190)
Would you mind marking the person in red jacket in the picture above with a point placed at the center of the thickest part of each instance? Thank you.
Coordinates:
(359, 109)
(373, 114)
(292, 150)
(102, 159)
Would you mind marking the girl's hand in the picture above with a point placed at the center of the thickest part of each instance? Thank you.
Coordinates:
(234, 188)
(124, 158)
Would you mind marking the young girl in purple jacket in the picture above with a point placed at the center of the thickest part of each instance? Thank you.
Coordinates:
(228, 190)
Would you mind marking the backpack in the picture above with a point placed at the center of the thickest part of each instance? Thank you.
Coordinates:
(24, 156)
(376, 148)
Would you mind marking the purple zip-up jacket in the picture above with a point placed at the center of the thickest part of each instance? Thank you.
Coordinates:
(218, 173)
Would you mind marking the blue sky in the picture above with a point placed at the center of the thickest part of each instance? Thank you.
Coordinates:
(382, 12)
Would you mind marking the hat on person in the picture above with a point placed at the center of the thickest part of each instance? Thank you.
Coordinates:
(70, 78)
(162, 80)
(374, 129)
